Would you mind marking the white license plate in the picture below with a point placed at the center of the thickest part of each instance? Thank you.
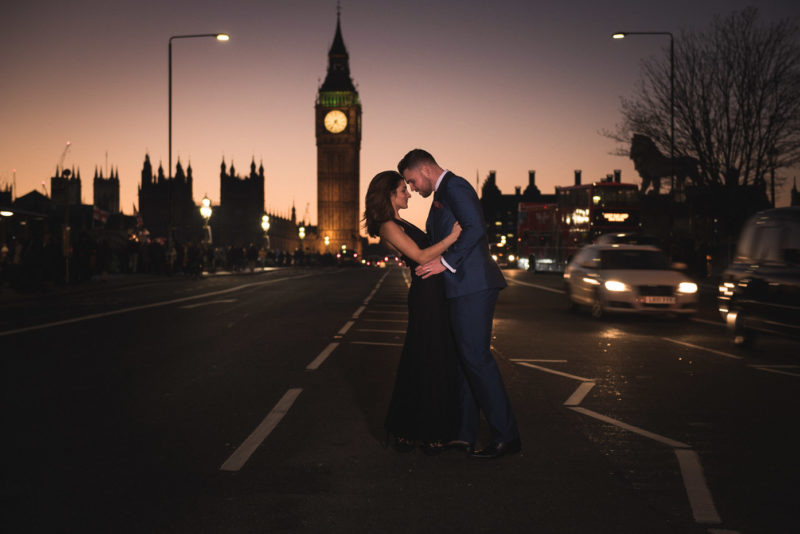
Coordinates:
(658, 300)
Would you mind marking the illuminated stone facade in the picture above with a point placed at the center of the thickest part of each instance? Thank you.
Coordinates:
(338, 133)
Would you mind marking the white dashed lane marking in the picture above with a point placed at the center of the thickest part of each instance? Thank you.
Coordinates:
(700, 499)
(254, 440)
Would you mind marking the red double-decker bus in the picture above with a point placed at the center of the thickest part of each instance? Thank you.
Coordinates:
(538, 237)
(548, 235)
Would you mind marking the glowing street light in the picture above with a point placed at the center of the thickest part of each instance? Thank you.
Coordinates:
(205, 208)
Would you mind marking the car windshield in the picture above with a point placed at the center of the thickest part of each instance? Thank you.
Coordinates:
(634, 259)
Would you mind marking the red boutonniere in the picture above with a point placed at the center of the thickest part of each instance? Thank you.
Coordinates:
(437, 204)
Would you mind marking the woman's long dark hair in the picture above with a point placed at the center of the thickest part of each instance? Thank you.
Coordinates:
(378, 204)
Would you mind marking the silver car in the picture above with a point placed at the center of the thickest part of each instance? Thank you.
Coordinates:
(628, 279)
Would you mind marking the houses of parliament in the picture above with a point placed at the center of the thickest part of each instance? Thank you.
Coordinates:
(168, 209)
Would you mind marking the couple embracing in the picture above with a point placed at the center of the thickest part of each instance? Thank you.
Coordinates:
(446, 374)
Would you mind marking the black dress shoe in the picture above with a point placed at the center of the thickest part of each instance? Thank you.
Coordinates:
(497, 450)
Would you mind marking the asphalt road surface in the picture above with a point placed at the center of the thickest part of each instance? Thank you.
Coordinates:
(255, 403)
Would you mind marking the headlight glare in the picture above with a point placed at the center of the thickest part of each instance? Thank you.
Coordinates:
(687, 287)
(613, 285)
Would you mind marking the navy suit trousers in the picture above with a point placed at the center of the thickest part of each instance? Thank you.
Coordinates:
(480, 384)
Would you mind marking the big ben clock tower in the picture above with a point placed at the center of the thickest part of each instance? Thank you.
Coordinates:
(338, 130)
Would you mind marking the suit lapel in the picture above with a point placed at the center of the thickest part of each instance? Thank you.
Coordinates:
(429, 223)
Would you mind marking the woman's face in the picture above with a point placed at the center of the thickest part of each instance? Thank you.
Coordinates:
(400, 196)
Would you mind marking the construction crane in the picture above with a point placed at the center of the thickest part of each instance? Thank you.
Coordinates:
(61, 160)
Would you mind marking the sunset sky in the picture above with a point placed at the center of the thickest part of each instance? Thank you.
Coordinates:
(502, 85)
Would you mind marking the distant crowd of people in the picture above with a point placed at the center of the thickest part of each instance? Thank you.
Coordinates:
(27, 263)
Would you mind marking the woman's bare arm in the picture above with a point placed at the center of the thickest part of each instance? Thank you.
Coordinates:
(393, 234)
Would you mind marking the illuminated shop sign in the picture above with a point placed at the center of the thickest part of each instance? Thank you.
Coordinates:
(616, 217)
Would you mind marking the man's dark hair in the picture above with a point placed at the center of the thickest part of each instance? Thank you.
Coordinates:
(414, 158)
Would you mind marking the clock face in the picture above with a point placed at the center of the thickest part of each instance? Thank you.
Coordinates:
(335, 121)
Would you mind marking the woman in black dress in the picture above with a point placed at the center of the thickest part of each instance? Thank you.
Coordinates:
(424, 406)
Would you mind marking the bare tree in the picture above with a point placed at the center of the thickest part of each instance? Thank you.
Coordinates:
(737, 100)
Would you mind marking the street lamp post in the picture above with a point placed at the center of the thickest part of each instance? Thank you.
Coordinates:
(218, 37)
(265, 228)
(301, 233)
(205, 212)
(622, 35)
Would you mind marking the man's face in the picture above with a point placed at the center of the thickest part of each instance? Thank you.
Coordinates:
(419, 181)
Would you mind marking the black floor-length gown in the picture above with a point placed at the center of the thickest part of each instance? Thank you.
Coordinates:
(424, 404)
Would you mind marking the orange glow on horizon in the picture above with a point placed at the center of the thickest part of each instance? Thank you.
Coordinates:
(530, 93)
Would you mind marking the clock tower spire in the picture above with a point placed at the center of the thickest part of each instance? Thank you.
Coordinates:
(338, 133)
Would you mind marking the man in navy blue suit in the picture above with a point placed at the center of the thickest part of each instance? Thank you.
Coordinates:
(472, 283)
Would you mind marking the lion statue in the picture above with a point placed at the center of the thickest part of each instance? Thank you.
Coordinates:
(652, 165)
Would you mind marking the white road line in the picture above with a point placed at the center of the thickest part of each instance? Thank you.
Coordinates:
(635, 429)
(248, 447)
(696, 488)
(381, 331)
(375, 290)
(220, 301)
(539, 361)
(771, 369)
(376, 343)
(346, 327)
(694, 482)
(147, 306)
(553, 371)
(579, 394)
(314, 365)
(726, 354)
(358, 312)
(722, 531)
(543, 288)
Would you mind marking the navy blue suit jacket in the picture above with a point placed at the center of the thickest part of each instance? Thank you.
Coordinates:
(456, 200)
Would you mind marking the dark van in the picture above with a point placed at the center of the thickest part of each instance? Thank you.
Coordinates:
(760, 290)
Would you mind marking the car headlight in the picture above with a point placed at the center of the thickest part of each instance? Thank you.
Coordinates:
(613, 285)
(510, 257)
(687, 287)
(494, 257)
